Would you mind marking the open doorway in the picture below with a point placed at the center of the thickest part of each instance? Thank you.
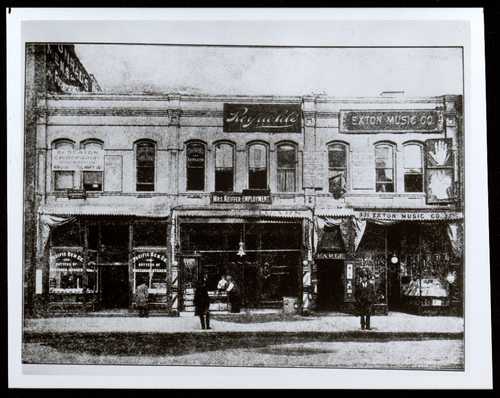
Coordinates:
(114, 286)
(330, 284)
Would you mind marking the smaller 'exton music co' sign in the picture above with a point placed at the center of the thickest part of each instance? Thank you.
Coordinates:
(263, 118)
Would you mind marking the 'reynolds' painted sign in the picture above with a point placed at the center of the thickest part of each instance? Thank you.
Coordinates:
(389, 121)
(263, 118)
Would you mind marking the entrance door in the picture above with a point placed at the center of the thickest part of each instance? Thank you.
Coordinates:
(330, 284)
(114, 286)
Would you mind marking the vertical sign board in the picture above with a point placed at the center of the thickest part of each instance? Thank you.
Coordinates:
(113, 173)
(263, 118)
(349, 279)
(38, 281)
(439, 170)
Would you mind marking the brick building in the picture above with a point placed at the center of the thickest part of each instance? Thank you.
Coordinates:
(292, 196)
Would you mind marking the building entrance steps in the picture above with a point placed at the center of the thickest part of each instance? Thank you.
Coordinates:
(251, 322)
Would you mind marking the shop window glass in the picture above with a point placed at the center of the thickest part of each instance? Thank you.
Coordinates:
(150, 234)
(92, 180)
(67, 235)
(224, 167)
(384, 168)
(257, 166)
(195, 153)
(337, 169)
(413, 164)
(145, 164)
(64, 179)
(287, 163)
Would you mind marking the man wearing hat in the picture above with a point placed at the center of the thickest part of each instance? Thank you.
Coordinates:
(365, 297)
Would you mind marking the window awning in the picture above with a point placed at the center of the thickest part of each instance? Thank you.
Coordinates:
(245, 213)
(335, 212)
(96, 210)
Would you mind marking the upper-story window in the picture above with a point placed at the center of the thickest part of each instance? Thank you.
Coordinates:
(224, 167)
(145, 166)
(92, 180)
(287, 164)
(257, 166)
(384, 167)
(337, 169)
(413, 168)
(195, 176)
(64, 179)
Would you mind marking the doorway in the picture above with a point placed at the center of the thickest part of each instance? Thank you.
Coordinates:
(114, 286)
(330, 284)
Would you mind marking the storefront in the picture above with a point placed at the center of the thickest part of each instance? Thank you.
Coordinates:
(92, 263)
(263, 252)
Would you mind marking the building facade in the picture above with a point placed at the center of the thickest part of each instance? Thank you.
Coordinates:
(294, 197)
(49, 68)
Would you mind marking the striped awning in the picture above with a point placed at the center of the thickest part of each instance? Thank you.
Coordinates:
(245, 213)
(335, 212)
(96, 210)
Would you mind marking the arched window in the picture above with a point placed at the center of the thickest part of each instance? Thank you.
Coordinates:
(63, 179)
(384, 167)
(92, 180)
(287, 165)
(413, 168)
(195, 176)
(337, 169)
(145, 166)
(224, 167)
(257, 166)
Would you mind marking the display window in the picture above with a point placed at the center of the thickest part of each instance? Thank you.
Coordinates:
(150, 267)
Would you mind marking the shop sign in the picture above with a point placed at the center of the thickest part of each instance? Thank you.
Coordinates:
(84, 159)
(235, 197)
(330, 256)
(67, 260)
(264, 118)
(149, 261)
(382, 121)
(407, 216)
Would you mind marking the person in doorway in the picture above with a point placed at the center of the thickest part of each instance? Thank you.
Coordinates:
(202, 302)
(365, 297)
(142, 299)
(233, 294)
(222, 285)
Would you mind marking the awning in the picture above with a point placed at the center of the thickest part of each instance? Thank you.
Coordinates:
(96, 210)
(334, 212)
(245, 213)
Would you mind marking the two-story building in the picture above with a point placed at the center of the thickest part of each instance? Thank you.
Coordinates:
(291, 196)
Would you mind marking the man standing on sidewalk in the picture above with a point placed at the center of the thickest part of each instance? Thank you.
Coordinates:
(365, 296)
(142, 298)
(202, 302)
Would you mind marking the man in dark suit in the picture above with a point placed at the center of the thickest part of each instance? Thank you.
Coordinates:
(202, 302)
(365, 297)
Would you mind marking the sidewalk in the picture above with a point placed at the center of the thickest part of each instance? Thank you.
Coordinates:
(394, 322)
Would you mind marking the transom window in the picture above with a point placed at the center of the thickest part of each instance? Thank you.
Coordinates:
(413, 168)
(337, 169)
(224, 167)
(195, 153)
(384, 168)
(145, 166)
(287, 163)
(257, 166)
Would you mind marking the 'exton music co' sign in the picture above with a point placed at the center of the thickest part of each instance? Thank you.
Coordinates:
(391, 121)
(264, 118)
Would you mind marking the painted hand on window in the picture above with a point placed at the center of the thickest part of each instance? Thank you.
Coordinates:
(440, 154)
(440, 185)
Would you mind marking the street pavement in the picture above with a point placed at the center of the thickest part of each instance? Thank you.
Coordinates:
(397, 340)
(394, 322)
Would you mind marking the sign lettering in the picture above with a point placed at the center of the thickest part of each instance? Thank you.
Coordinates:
(239, 198)
(264, 118)
(84, 159)
(408, 216)
(391, 121)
